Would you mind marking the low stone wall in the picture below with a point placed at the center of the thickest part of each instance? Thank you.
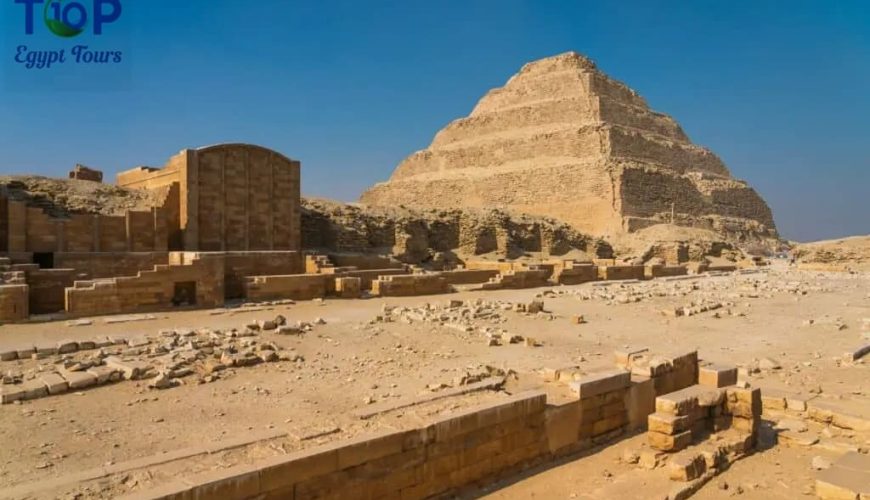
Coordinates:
(151, 290)
(451, 452)
(468, 276)
(48, 289)
(621, 272)
(14, 303)
(526, 278)
(574, 273)
(492, 265)
(364, 261)
(291, 286)
(109, 264)
(651, 272)
(470, 447)
(684, 416)
(348, 288)
(410, 284)
(366, 276)
(239, 265)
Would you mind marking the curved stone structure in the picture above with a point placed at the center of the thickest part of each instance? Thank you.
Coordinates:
(562, 139)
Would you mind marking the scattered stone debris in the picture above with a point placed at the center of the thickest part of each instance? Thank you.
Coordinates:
(165, 359)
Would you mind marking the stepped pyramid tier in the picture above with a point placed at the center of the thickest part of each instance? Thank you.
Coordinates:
(564, 140)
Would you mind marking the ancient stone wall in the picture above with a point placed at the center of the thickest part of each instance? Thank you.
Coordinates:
(155, 289)
(229, 197)
(436, 238)
(404, 285)
(31, 229)
(4, 224)
(108, 264)
(83, 173)
(294, 286)
(14, 303)
(48, 289)
(615, 272)
(239, 265)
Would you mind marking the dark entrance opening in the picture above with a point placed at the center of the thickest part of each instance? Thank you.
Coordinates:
(185, 293)
(44, 259)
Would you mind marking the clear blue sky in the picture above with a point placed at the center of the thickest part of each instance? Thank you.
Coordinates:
(780, 90)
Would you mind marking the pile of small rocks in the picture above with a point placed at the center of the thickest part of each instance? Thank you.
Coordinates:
(467, 317)
(165, 359)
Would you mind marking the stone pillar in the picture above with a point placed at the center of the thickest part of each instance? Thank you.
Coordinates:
(190, 200)
(17, 226)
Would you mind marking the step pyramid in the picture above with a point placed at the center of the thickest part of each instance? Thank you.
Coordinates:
(564, 140)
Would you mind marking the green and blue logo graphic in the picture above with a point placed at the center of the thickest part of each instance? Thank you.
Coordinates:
(70, 18)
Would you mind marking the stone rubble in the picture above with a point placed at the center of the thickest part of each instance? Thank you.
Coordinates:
(164, 359)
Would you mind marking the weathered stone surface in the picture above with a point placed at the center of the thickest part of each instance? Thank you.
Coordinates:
(600, 383)
(562, 139)
(54, 383)
(79, 380)
(717, 375)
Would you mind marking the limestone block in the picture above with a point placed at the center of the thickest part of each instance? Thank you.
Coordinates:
(11, 393)
(686, 466)
(640, 401)
(838, 483)
(668, 424)
(717, 375)
(131, 370)
(599, 383)
(54, 383)
(623, 357)
(34, 389)
(105, 374)
(79, 380)
(666, 442)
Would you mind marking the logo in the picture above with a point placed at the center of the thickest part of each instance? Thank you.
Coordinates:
(70, 18)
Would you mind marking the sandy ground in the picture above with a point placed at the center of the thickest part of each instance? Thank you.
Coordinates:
(350, 362)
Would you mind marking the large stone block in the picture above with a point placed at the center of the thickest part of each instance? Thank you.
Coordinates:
(668, 424)
(600, 383)
(667, 442)
(717, 375)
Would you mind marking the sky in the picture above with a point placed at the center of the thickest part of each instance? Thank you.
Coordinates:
(779, 90)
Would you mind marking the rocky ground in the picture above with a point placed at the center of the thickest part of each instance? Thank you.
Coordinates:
(334, 359)
(843, 254)
(60, 197)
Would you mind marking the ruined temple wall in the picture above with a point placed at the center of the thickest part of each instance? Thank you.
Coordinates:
(296, 287)
(13, 303)
(4, 224)
(246, 197)
(47, 289)
(150, 290)
(229, 197)
(239, 265)
(92, 265)
(31, 230)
